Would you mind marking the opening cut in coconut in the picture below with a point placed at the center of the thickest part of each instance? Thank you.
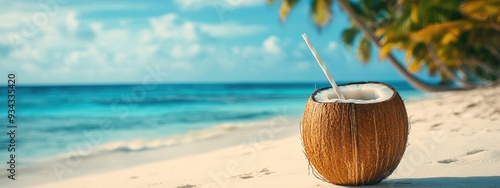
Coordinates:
(360, 93)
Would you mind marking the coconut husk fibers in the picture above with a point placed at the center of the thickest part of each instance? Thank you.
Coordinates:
(355, 144)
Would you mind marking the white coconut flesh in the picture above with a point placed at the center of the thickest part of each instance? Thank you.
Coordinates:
(357, 93)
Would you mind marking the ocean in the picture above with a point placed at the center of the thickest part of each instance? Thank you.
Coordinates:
(52, 120)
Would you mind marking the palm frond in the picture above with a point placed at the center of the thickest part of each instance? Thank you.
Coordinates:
(483, 10)
(415, 66)
(349, 35)
(364, 51)
(285, 8)
(446, 32)
(321, 11)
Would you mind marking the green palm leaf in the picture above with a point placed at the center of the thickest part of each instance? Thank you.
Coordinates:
(364, 51)
(348, 36)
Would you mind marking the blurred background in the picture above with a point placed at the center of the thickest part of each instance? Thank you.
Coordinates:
(144, 75)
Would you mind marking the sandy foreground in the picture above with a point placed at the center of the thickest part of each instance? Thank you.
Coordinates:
(454, 142)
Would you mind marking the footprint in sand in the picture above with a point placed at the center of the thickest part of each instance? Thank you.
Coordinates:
(262, 172)
(474, 151)
(490, 157)
(186, 186)
(153, 184)
(246, 176)
(435, 126)
(447, 161)
(266, 171)
(452, 160)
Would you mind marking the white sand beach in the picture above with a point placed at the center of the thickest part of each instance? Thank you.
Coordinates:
(454, 141)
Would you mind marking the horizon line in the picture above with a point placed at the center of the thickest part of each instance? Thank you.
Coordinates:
(192, 83)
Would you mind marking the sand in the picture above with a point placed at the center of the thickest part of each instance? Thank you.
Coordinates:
(454, 141)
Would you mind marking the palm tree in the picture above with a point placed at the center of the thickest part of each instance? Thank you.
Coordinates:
(446, 40)
(396, 23)
(412, 79)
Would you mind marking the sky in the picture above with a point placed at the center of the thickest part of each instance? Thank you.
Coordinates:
(178, 41)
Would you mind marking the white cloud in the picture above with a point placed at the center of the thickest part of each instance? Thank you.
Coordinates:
(230, 29)
(145, 36)
(302, 45)
(269, 52)
(71, 21)
(217, 4)
(185, 51)
(96, 27)
(27, 53)
(121, 56)
(246, 51)
(168, 27)
(245, 3)
(192, 4)
(120, 53)
(30, 68)
(13, 19)
(271, 45)
(72, 58)
(111, 6)
(171, 26)
(146, 50)
(90, 56)
(332, 45)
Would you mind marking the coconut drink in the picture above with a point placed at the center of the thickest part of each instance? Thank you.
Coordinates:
(354, 134)
(356, 141)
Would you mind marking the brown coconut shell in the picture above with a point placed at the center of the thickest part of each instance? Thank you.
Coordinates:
(355, 144)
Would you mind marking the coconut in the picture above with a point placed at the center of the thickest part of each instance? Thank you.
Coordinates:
(356, 141)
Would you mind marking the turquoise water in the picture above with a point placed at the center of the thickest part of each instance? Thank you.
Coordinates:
(52, 119)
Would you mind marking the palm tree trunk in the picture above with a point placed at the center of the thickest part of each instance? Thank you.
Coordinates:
(414, 81)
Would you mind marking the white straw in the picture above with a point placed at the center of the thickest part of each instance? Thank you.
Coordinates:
(323, 67)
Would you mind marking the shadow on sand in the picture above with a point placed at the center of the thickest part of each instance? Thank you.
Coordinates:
(475, 181)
